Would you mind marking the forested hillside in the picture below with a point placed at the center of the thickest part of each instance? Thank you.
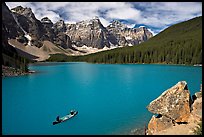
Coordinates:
(179, 44)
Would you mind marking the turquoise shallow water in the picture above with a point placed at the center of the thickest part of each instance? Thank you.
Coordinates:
(110, 98)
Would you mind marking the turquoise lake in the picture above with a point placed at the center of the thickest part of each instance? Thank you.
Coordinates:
(110, 98)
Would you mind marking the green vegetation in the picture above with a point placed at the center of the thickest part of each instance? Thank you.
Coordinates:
(11, 58)
(15, 61)
(198, 131)
(64, 58)
(178, 44)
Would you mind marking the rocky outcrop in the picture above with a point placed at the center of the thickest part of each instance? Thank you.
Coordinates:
(197, 104)
(174, 103)
(159, 123)
(174, 107)
(200, 87)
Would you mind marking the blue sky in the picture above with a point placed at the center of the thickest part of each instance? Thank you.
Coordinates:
(155, 15)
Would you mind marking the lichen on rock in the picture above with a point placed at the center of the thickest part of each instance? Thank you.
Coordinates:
(177, 113)
(173, 103)
(157, 124)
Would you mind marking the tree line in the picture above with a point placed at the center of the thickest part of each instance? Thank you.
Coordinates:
(178, 44)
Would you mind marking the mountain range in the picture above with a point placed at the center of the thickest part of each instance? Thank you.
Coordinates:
(178, 44)
(36, 39)
(25, 39)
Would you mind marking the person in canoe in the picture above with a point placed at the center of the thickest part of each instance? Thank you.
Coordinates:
(58, 119)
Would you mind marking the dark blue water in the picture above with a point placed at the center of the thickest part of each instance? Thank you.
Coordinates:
(110, 99)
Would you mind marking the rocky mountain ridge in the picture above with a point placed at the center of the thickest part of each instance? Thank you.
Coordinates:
(26, 29)
(128, 36)
(90, 33)
(84, 37)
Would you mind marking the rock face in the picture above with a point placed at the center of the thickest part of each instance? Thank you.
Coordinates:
(157, 124)
(90, 33)
(174, 103)
(40, 31)
(128, 36)
(197, 104)
(9, 27)
(175, 109)
(9, 30)
(61, 38)
(30, 26)
(200, 87)
(47, 28)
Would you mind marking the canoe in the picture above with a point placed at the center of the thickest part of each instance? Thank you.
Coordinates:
(65, 118)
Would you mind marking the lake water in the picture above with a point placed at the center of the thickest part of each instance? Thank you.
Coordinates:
(110, 98)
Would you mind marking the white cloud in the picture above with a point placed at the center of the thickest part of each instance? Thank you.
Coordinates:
(14, 4)
(159, 14)
(125, 12)
(154, 14)
(130, 25)
(54, 17)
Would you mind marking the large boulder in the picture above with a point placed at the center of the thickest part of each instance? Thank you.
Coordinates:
(197, 107)
(197, 104)
(159, 123)
(198, 94)
(173, 103)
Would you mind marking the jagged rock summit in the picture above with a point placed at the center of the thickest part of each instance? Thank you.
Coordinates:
(90, 33)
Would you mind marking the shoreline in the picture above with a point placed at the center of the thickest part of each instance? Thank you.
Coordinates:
(159, 63)
(137, 131)
(12, 72)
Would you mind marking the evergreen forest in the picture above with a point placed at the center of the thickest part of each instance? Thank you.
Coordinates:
(179, 44)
